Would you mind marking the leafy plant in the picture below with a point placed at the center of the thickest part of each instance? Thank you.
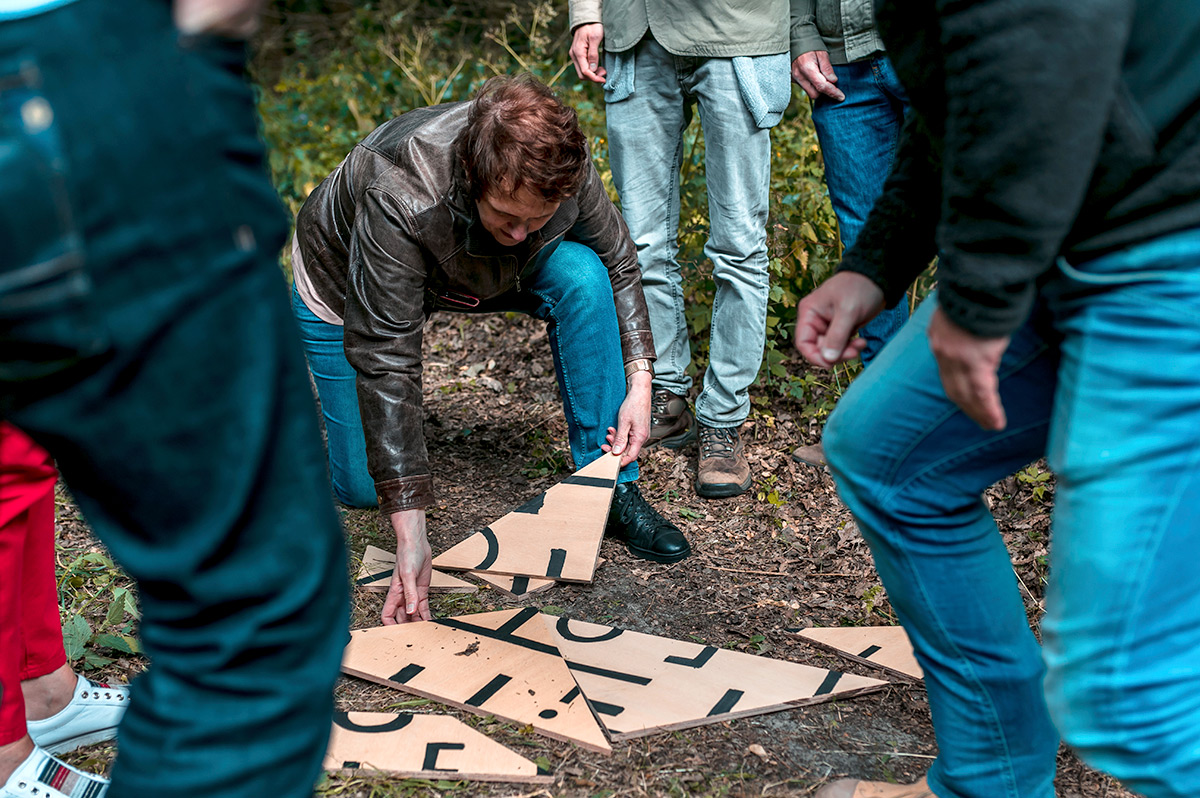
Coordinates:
(88, 585)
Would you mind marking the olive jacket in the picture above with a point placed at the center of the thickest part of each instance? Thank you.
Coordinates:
(392, 235)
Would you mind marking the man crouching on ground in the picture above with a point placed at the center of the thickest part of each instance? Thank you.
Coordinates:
(481, 206)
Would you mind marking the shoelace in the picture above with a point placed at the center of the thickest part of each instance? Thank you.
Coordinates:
(639, 510)
(717, 442)
(658, 403)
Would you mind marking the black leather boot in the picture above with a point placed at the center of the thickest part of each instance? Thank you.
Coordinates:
(646, 533)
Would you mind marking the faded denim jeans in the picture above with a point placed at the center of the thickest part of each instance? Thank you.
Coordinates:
(645, 140)
(1104, 380)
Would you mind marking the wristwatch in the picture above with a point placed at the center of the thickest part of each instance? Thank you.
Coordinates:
(641, 364)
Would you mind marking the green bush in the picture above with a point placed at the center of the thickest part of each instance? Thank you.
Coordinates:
(323, 90)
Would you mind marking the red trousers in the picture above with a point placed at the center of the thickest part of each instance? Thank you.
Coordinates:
(31, 641)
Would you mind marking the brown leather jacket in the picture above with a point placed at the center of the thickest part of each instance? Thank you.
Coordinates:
(391, 236)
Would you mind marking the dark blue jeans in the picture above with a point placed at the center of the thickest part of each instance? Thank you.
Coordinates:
(571, 291)
(858, 143)
(146, 342)
(1105, 382)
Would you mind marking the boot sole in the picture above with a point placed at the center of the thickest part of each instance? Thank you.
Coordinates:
(655, 557)
(723, 490)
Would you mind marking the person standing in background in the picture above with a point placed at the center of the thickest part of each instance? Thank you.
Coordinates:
(858, 108)
(657, 60)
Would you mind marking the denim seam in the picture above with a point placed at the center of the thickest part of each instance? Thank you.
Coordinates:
(949, 458)
(967, 669)
(565, 387)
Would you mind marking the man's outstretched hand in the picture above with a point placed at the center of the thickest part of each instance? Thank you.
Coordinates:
(633, 420)
(968, 366)
(408, 595)
(827, 319)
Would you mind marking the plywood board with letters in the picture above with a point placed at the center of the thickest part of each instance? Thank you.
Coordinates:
(423, 747)
(375, 573)
(555, 535)
(515, 586)
(639, 684)
(494, 663)
(885, 647)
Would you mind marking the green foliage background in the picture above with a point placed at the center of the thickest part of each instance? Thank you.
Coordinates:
(331, 72)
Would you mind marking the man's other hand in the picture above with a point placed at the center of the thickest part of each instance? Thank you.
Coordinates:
(408, 595)
(968, 366)
(585, 52)
(813, 72)
(236, 19)
(826, 319)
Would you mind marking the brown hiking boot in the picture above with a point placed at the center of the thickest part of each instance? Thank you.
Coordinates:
(671, 423)
(812, 455)
(723, 469)
(853, 788)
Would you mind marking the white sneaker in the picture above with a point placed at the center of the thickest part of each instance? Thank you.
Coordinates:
(91, 717)
(43, 776)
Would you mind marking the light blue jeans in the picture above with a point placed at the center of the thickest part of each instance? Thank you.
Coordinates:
(858, 144)
(1105, 381)
(645, 141)
(570, 291)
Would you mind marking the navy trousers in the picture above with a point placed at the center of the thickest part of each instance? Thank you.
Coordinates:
(147, 343)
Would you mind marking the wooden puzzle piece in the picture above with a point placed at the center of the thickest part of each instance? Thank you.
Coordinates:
(638, 684)
(885, 647)
(515, 586)
(518, 587)
(376, 574)
(553, 536)
(481, 664)
(423, 747)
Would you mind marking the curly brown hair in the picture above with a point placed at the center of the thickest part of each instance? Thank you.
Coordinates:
(520, 136)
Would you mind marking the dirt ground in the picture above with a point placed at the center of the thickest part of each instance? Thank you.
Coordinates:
(784, 555)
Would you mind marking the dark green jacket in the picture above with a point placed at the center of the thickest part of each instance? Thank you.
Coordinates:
(1037, 129)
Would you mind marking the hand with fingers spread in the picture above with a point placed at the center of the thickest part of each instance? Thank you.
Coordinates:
(968, 367)
(633, 420)
(826, 319)
(586, 50)
(813, 72)
(408, 595)
(237, 19)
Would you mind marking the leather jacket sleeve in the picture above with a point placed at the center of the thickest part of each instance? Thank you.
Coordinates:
(601, 228)
(384, 321)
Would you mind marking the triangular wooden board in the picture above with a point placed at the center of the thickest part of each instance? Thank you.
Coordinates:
(638, 684)
(423, 747)
(480, 664)
(554, 536)
(377, 567)
(515, 586)
(518, 587)
(885, 647)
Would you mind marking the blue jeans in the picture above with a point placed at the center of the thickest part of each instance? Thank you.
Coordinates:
(645, 143)
(571, 291)
(858, 144)
(1105, 381)
(146, 342)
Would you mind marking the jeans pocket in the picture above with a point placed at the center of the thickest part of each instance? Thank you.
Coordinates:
(46, 318)
(41, 262)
